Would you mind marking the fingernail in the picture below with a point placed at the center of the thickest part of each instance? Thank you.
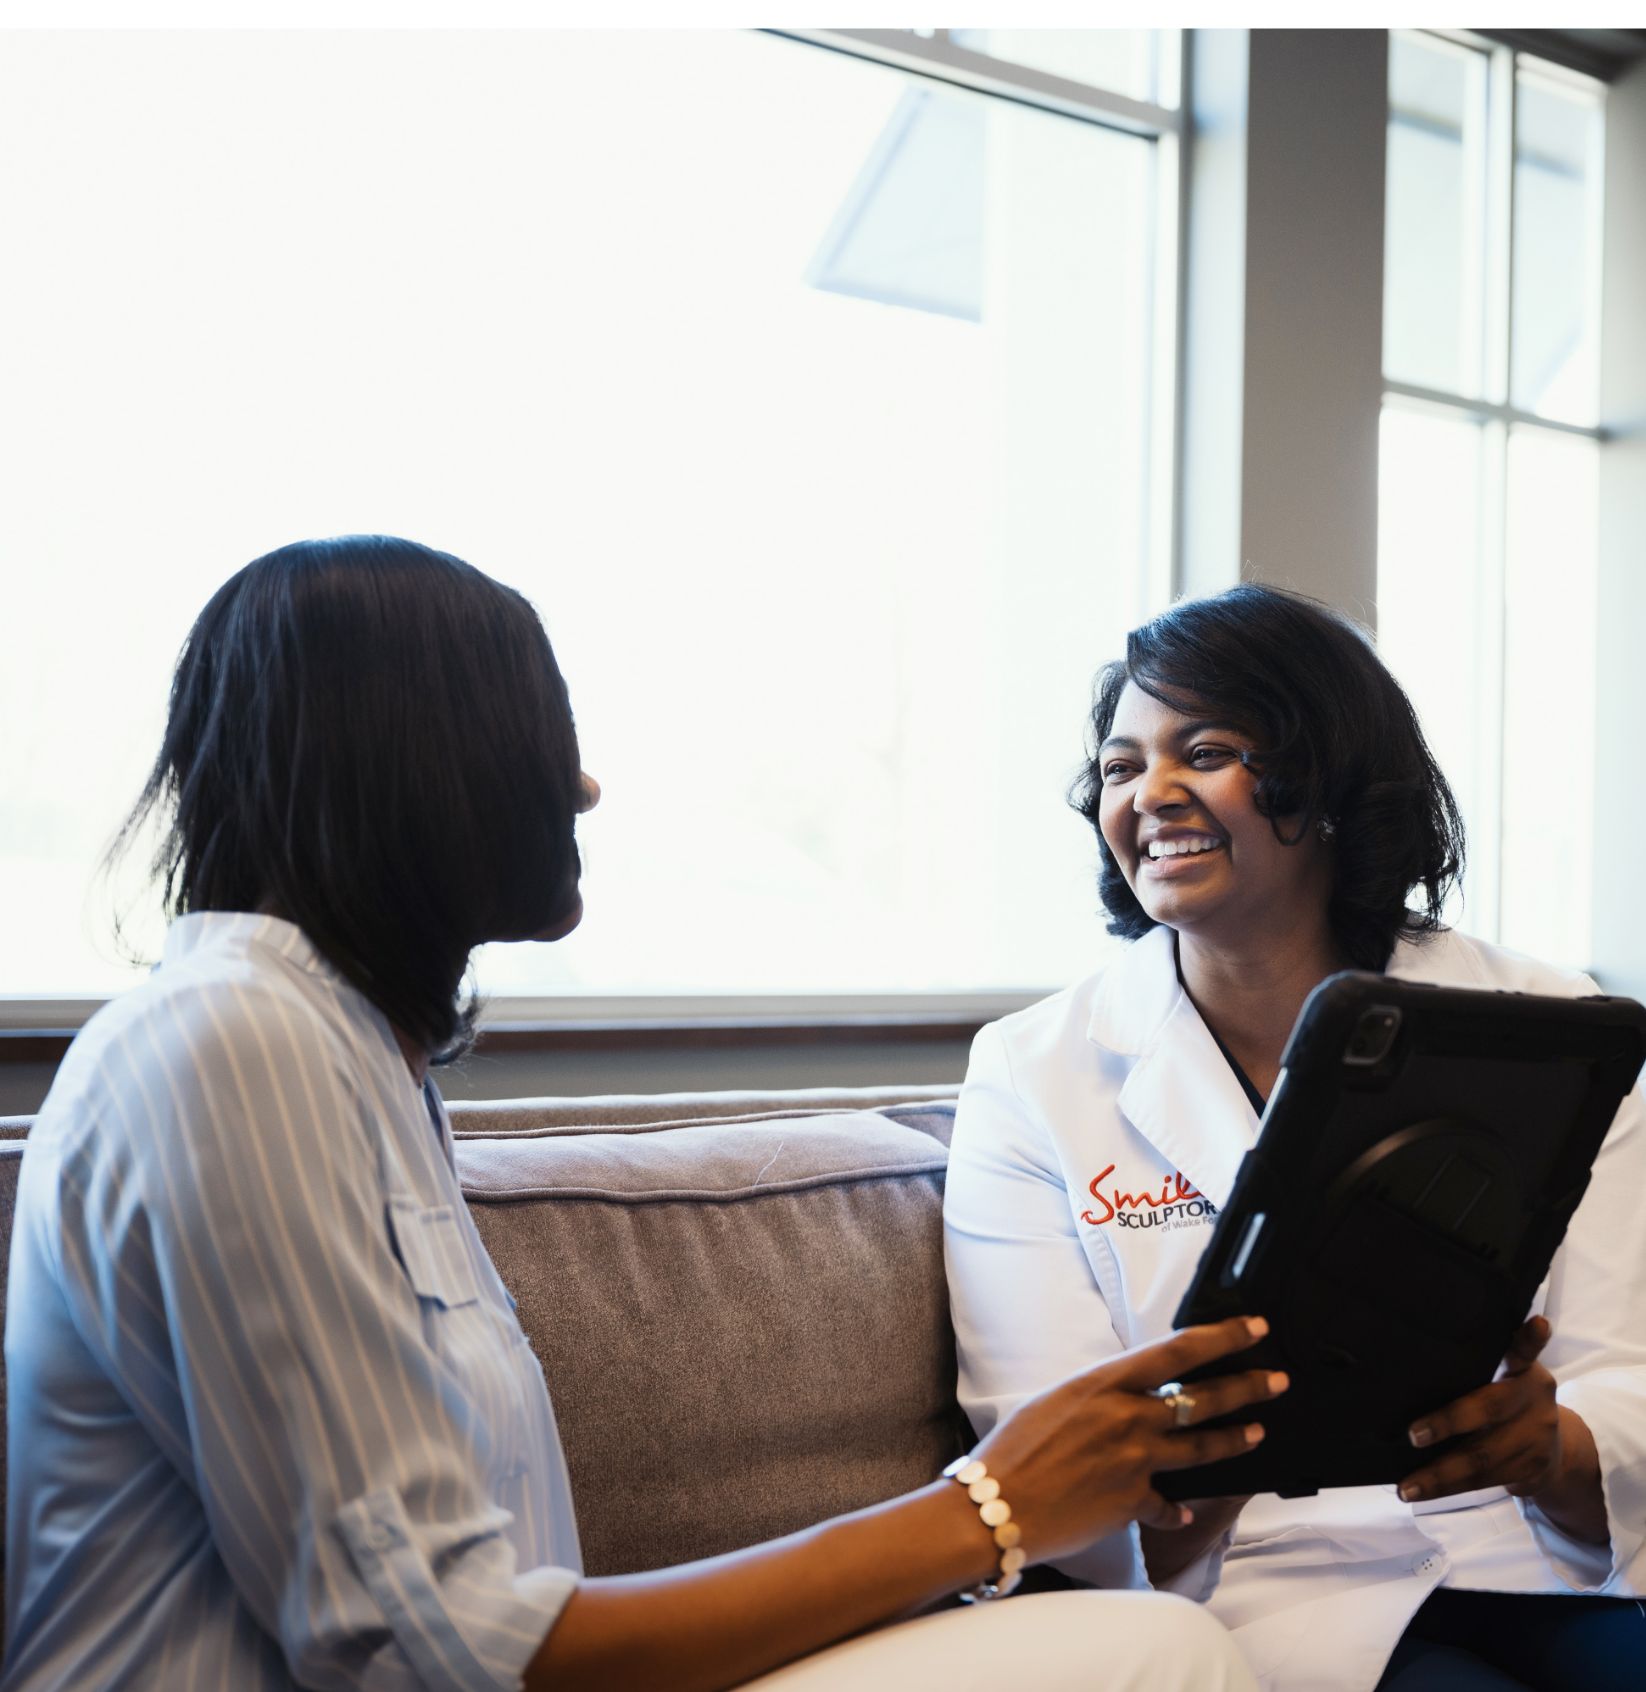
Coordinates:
(1279, 1381)
(1254, 1432)
(1184, 1515)
(1420, 1433)
(1256, 1327)
(1410, 1490)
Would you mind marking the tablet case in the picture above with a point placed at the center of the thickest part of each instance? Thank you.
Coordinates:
(1419, 1159)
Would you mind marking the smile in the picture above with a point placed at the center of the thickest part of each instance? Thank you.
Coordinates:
(1182, 848)
(1169, 860)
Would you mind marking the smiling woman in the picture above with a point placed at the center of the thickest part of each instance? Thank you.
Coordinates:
(1282, 716)
(1176, 812)
(1268, 812)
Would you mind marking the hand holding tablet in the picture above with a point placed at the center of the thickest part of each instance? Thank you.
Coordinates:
(1418, 1163)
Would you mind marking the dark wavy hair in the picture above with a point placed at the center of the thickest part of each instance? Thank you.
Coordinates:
(1336, 740)
(371, 739)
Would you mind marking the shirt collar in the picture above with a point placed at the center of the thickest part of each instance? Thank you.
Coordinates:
(1137, 994)
(213, 930)
(202, 933)
(1442, 957)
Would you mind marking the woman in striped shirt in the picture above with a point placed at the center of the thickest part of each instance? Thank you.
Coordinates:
(272, 1422)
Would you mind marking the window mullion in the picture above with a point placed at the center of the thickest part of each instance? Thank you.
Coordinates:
(1161, 529)
(979, 73)
(1486, 876)
(1500, 213)
(1486, 858)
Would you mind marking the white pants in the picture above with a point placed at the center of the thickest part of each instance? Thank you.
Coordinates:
(1040, 1642)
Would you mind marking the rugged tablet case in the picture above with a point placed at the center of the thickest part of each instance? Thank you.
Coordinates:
(1418, 1161)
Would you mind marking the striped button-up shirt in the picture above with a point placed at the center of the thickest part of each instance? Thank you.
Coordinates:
(271, 1419)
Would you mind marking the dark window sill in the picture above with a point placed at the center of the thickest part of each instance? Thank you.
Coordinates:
(47, 1045)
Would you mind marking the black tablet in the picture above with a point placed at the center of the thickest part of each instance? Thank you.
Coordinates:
(1419, 1159)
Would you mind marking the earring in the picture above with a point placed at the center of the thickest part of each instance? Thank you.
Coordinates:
(1326, 828)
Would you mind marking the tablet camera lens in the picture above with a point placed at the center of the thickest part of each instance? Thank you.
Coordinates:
(1373, 1036)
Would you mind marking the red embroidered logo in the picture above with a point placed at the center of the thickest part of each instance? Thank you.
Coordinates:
(1176, 1201)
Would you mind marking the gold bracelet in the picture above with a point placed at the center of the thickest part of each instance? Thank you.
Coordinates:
(984, 1491)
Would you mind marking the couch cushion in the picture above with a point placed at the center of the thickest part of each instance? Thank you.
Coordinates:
(743, 1324)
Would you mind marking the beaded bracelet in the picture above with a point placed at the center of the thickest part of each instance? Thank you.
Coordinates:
(984, 1492)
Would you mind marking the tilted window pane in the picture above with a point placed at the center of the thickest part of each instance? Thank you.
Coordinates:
(1429, 625)
(1549, 695)
(1434, 257)
(831, 513)
(1122, 61)
(1554, 361)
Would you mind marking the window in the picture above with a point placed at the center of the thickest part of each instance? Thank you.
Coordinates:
(815, 396)
(1487, 547)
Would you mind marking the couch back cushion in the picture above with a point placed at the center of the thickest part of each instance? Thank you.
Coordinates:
(743, 1323)
(928, 1108)
(738, 1301)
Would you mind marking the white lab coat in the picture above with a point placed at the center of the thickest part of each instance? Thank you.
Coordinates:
(1093, 1128)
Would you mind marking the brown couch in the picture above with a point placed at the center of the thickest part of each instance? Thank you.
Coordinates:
(737, 1298)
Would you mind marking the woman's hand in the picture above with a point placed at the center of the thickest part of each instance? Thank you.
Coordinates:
(1073, 1463)
(1167, 1555)
(1513, 1434)
(1077, 1461)
(1508, 1434)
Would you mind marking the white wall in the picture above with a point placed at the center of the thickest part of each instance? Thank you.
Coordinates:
(1284, 333)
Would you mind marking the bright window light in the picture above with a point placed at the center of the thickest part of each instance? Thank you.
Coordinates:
(1434, 244)
(1549, 702)
(1556, 363)
(1488, 542)
(808, 401)
(1431, 583)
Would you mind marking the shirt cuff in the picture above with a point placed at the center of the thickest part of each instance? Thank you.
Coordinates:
(1610, 1404)
(475, 1629)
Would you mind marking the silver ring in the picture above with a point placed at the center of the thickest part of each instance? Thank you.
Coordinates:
(1179, 1402)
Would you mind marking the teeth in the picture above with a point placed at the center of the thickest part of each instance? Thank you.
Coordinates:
(1181, 848)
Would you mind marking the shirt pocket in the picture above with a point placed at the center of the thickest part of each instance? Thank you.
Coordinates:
(430, 1244)
(469, 1328)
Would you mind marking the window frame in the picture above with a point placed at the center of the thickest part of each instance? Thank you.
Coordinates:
(932, 56)
(32, 1028)
(1498, 420)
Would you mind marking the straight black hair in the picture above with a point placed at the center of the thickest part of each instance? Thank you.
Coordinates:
(372, 740)
(1337, 742)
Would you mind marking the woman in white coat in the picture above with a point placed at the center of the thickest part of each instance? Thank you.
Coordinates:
(1265, 806)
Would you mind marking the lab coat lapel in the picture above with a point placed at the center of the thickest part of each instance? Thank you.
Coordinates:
(1184, 1099)
(1180, 1094)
